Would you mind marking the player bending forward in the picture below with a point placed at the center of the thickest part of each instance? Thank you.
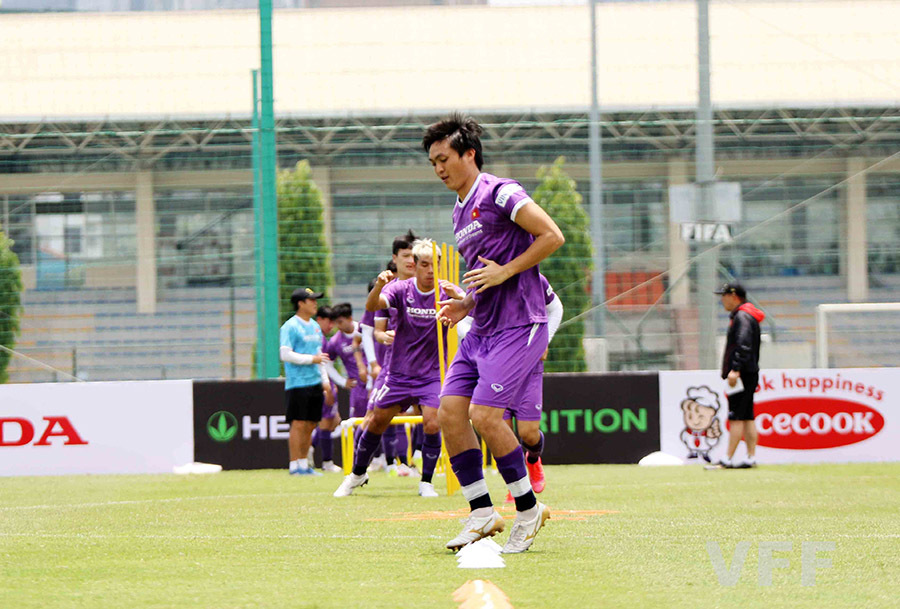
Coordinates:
(503, 235)
(413, 374)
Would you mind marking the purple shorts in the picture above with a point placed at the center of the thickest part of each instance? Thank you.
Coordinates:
(376, 387)
(527, 407)
(359, 395)
(492, 370)
(406, 392)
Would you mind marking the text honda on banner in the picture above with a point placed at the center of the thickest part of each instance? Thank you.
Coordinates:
(95, 428)
(827, 415)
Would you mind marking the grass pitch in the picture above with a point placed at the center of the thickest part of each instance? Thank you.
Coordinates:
(619, 536)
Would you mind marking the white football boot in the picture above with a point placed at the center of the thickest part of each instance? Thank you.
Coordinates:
(351, 481)
(426, 489)
(524, 530)
(477, 528)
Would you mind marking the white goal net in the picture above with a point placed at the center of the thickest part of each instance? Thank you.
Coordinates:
(865, 334)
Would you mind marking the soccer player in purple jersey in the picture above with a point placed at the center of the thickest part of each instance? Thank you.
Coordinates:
(325, 319)
(344, 345)
(503, 235)
(413, 374)
(404, 265)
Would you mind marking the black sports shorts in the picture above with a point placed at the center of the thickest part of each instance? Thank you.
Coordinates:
(304, 403)
(740, 405)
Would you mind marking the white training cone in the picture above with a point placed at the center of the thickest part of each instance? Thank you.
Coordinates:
(479, 547)
(197, 468)
(660, 458)
(480, 555)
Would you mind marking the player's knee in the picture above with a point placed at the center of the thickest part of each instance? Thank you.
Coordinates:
(530, 435)
(431, 426)
(484, 419)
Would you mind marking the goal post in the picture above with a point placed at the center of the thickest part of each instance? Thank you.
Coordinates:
(822, 312)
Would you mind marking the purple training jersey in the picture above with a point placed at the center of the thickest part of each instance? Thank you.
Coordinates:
(484, 224)
(341, 346)
(415, 350)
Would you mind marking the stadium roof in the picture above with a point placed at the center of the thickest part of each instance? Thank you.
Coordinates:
(422, 60)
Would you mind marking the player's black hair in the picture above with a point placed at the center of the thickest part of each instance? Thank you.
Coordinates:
(464, 133)
(371, 286)
(390, 267)
(324, 312)
(344, 309)
(403, 242)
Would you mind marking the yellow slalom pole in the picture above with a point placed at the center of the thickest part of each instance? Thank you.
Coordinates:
(437, 298)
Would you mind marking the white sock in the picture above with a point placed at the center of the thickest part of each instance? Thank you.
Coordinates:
(303, 463)
(530, 512)
(326, 464)
(294, 464)
(417, 454)
(483, 512)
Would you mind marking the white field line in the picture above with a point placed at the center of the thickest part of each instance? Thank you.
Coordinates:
(66, 506)
(208, 537)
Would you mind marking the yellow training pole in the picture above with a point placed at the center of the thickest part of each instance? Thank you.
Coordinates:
(347, 428)
(437, 297)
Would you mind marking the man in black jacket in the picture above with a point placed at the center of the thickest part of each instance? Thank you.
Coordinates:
(741, 363)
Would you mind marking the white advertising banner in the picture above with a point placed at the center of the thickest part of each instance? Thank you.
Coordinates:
(95, 428)
(802, 416)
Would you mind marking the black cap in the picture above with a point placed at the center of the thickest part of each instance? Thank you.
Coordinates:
(732, 288)
(303, 294)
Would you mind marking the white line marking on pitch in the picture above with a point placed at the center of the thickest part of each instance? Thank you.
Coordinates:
(137, 501)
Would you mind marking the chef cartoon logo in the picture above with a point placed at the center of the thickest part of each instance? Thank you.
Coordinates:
(701, 425)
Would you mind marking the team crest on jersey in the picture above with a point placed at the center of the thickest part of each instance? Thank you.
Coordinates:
(476, 214)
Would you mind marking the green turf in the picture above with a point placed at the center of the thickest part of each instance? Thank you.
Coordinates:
(264, 539)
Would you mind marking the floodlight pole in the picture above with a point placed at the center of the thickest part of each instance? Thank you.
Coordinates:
(705, 177)
(268, 195)
(595, 153)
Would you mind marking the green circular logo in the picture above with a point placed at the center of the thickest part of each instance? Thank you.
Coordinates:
(222, 426)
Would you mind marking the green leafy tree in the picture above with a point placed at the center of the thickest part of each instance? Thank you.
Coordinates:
(569, 269)
(10, 302)
(304, 258)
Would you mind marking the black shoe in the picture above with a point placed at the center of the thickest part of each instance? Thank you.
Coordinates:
(692, 455)
(706, 458)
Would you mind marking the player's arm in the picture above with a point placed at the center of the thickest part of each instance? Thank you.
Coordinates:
(554, 315)
(360, 362)
(368, 344)
(463, 327)
(376, 301)
(547, 239)
(335, 376)
(301, 359)
(382, 334)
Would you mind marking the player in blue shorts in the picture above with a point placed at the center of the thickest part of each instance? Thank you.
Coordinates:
(305, 377)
